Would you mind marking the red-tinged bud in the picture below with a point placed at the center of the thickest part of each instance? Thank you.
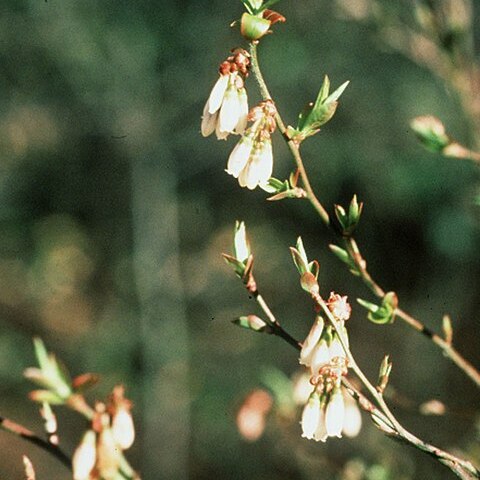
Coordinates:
(273, 17)
(309, 283)
(85, 456)
(253, 27)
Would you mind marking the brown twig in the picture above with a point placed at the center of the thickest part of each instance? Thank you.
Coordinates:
(25, 433)
(382, 416)
(351, 246)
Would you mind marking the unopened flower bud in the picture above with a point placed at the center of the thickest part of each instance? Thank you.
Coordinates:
(241, 243)
(29, 470)
(431, 132)
(253, 27)
(85, 456)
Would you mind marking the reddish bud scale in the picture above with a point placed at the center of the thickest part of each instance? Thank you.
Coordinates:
(273, 17)
(238, 62)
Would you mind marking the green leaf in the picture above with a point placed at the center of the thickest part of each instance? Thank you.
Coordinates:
(323, 93)
(247, 5)
(46, 396)
(41, 353)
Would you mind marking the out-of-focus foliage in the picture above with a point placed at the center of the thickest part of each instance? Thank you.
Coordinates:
(114, 211)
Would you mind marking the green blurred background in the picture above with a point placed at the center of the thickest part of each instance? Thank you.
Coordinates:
(114, 211)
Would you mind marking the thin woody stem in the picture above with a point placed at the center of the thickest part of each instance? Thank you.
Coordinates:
(29, 436)
(351, 246)
(276, 328)
(447, 348)
(322, 212)
(383, 418)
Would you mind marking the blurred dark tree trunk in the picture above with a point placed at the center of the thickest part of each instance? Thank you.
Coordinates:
(165, 406)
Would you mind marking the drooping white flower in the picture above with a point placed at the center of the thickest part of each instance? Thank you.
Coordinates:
(336, 349)
(321, 433)
(251, 161)
(335, 414)
(311, 341)
(259, 166)
(226, 109)
(310, 416)
(123, 430)
(85, 456)
(320, 357)
(352, 422)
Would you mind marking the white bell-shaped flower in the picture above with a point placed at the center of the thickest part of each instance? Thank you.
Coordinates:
(310, 416)
(335, 413)
(311, 341)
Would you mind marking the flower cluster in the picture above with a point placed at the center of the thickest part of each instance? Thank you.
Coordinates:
(323, 352)
(226, 109)
(251, 161)
(99, 454)
(330, 415)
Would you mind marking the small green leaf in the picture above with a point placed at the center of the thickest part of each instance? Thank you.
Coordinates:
(46, 396)
(41, 353)
(323, 93)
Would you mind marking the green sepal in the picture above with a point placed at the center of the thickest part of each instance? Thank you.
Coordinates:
(238, 267)
(46, 396)
(344, 257)
(285, 189)
(300, 257)
(384, 313)
(349, 221)
(431, 133)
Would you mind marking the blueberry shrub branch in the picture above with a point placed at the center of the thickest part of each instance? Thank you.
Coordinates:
(349, 242)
